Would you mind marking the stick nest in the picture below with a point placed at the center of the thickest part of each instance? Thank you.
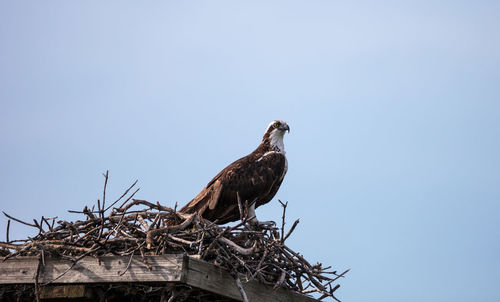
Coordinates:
(139, 227)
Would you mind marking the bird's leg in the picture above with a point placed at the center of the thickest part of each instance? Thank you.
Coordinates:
(253, 218)
(251, 213)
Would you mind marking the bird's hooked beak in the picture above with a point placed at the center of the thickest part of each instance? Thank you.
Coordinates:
(284, 127)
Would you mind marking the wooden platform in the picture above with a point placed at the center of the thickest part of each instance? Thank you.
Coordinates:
(113, 269)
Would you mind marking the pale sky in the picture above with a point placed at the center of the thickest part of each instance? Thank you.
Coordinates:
(394, 110)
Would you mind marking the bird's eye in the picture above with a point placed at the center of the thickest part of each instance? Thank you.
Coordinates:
(276, 125)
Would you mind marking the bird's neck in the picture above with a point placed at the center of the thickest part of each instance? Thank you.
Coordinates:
(273, 142)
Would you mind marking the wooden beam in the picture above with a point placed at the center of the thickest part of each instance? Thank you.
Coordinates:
(158, 269)
(165, 268)
(216, 280)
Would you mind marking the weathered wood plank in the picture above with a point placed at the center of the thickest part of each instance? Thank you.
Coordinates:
(209, 277)
(165, 268)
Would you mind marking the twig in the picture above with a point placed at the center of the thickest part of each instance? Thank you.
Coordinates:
(284, 205)
(280, 280)
(241, 289)
(237, 248)
(72, 265)
(39, 226)
(7, 234)
(128, 265)
(7, 245)
(123, 195)
(260, 263)
(290, 231)
(38, 269)
(104, 190)
(18, 220)
(189, 243)
(47, 223)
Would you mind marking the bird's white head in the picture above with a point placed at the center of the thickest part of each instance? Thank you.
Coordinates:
(275, 133)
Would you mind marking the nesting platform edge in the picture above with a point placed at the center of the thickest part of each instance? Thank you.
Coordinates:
(175, 268)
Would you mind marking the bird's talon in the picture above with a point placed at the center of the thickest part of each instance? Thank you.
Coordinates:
(255, 224)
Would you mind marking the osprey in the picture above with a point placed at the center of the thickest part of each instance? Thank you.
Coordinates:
(255, 179)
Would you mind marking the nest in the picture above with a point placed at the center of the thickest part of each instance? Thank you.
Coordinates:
(139, 227)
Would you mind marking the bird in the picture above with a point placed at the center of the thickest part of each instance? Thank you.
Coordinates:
(252, 180)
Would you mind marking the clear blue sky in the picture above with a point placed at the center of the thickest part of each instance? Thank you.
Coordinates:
(394, 109)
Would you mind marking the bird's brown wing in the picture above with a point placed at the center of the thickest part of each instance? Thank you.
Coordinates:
(252, 177)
